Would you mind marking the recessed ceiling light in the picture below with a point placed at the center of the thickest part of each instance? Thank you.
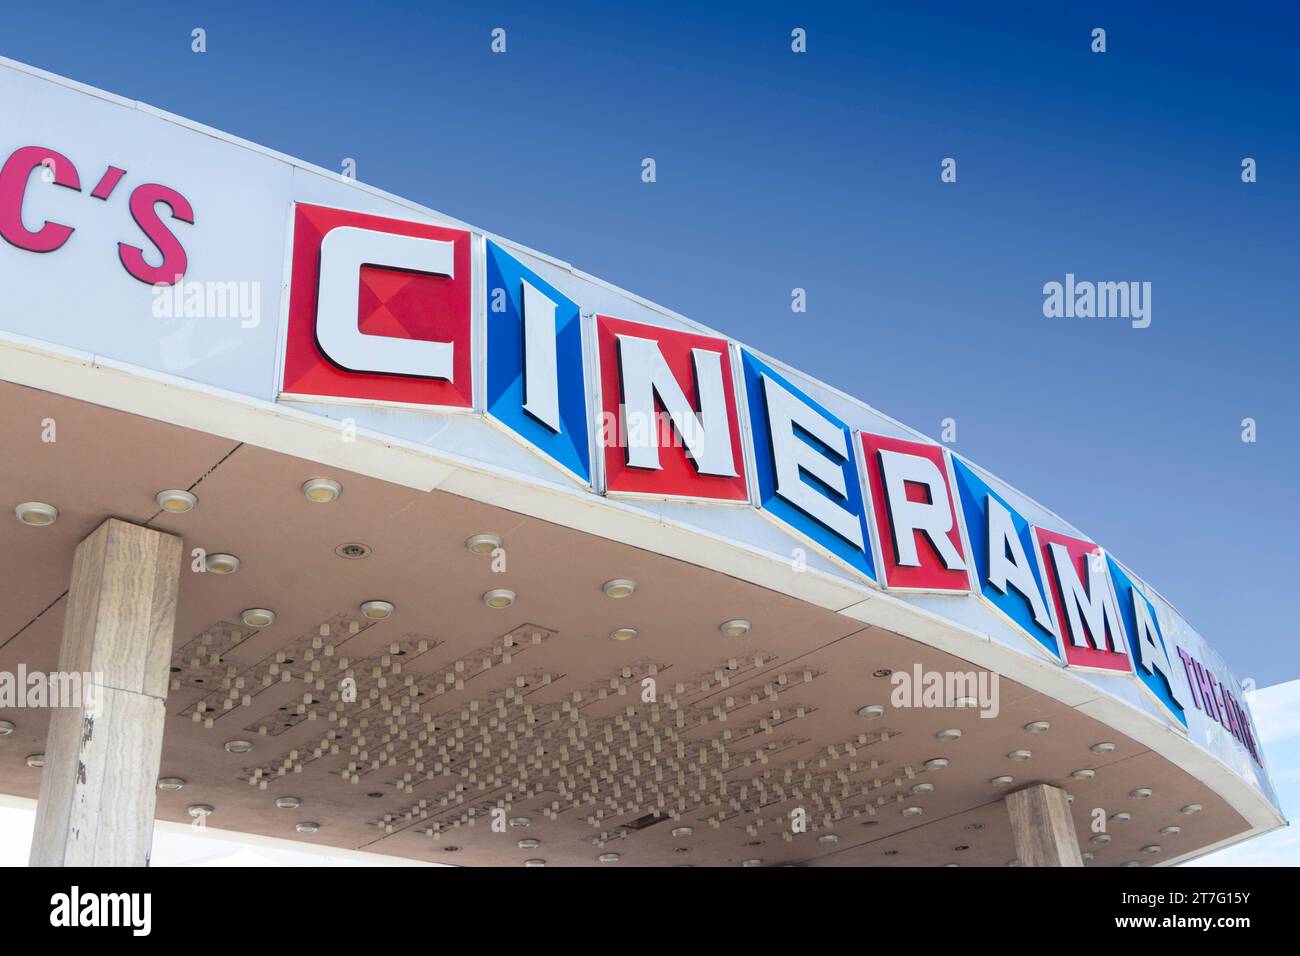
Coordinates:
(321, 490)
(1038, 726)
(1101, 839)
(288, 803)
(258, 617)
(936, 763)
(36, 761)
(966, 702)
(36, 513)
(451, 849)
(377, 610)
(881, 672)
(1191, 808)
(619, 588)
(499, 598)
(871, 711)
(529, 843)
(1141, 793)
(1003, 781)
(353, 550)
(1122, 817)
(197, 810)
(974, 826)
(1170, 831)
(6, 728)
(534, 862)
(1083, 774)
(1020, 755)
(608, 858)
(1130, 863)
(951, 734)
(238, 746)
(828, 839)
(1152, 849)
(170, 783)
(734, 628)
(175, 501)
(220, 563)
(754, 862)
(520, 822)
(912, 811)
(623, 633)
(919, 788)
(682, 831)
(483, 543)
(308, 827)
(1103, 748)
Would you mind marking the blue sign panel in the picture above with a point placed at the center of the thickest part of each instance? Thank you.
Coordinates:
(1146, 643)
(1003, 548)
(806, 466)
(535, 381)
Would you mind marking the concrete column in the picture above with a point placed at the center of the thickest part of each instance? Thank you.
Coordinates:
(1043, 827)
(96, 806)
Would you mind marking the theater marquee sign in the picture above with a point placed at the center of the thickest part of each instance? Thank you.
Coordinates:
(309, 313)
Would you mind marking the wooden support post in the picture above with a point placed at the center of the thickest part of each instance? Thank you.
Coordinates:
(96, 805)
(1042, 827)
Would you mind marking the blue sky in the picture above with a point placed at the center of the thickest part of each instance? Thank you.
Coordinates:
(821, 171)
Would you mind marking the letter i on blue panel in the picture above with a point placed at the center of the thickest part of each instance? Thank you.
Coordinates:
(536, 385)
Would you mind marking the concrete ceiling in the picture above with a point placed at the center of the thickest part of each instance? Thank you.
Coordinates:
(534, 709)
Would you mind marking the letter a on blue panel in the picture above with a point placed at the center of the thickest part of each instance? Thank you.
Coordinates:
(1150, 654)
(1003, 548)
(806, 466)
(535, 381)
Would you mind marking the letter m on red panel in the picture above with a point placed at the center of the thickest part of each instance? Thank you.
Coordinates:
(1083, 601)
(669, 424)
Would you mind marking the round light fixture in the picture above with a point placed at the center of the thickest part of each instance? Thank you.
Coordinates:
(321, 490)
(6, 728)
(871, 712)
(608, 858)
(288, 803)
(1152, 849)
(170, 783)
(828, 839)
(1020, 755)
(1003, 781)
(220, 563)
(1191, 808)
(936, 763)
(919, 788)
(258, 617)
(531, 843)
(754, 862)
(881, 672)
(238, 746)
(951, 734)
(1083, 774)
(499, 598)
(1122, 817)
(36, 761)
(623, 633)
(1103, 748)
(619, 588)
(175, 501)
(520, 822)
(197, 810)
(1141, 793)
(378, 610)
(534, 862)
(734, 628)
(966, 703)
(912, 811)
(1038, 726)
(483, 543)
(36, 513)
(308, 827)
(1101, 839)
(1171, 831)
(682, 831)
